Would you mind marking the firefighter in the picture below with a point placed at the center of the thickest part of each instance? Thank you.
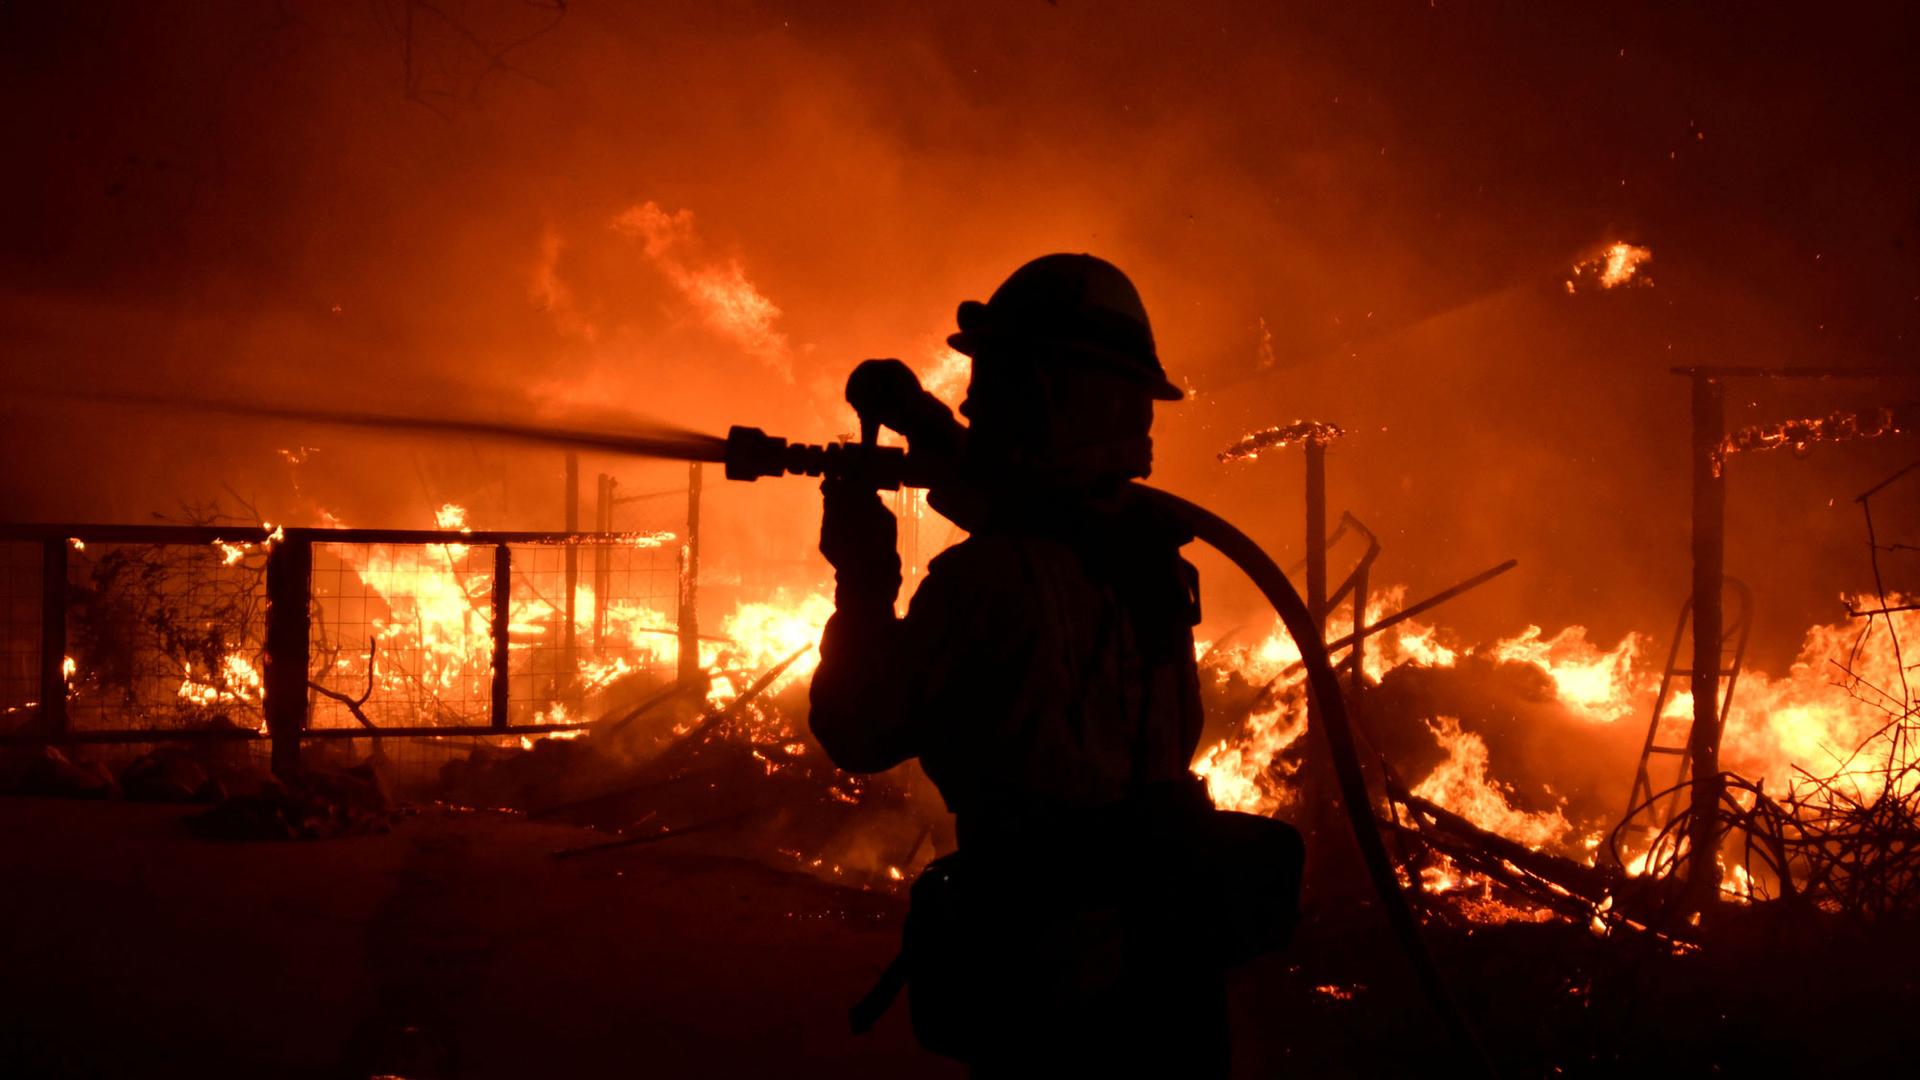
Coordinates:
(1044, 676)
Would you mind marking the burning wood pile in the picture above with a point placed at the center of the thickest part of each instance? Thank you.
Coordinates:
(1500, 767)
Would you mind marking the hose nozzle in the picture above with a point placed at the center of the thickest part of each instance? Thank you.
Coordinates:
(752, 454)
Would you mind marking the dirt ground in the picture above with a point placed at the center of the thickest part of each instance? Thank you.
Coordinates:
(457, 946)
(454, 946)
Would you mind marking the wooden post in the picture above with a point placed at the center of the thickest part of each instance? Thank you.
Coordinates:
(569, 659)
(289, 581)
(689, 613)
(502, 619)
(53, 636)
(1709, 567)
(1317, 532)
(1328, 866)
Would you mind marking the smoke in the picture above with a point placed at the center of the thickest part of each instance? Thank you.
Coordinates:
(718, 291)
(1363, 214)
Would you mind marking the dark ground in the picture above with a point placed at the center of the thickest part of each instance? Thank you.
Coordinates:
(136, 949)
(455, 946)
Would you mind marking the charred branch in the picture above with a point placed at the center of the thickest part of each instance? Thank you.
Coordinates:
(355, 705)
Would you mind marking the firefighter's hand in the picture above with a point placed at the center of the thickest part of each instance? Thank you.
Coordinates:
(883, 390)
(858, 535)
(888, 393)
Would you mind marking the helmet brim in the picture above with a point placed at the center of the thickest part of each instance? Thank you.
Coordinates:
(971, 342)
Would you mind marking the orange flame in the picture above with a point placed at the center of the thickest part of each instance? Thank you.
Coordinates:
(1617, 264)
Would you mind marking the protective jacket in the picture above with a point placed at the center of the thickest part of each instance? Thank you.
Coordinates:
(1045, 677)
(1044, 669)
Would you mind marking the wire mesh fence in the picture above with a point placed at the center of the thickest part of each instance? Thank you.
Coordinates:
(174, 632)
(169, 635)
(405, 635)
(624, 624)
(401, 635)
(165, 636)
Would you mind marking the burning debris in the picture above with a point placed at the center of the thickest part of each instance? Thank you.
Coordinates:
(1300, 432)
(1800, 435)
(1617, 265)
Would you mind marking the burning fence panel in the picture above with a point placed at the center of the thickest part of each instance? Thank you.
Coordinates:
(162, 636)
(412, 628)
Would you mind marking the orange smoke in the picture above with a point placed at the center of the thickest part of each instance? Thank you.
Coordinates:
(718, 290)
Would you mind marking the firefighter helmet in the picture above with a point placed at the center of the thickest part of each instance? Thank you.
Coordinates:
(1069, 308)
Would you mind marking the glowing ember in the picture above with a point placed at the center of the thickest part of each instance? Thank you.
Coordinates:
(1279, 438)
(1616, 265)
(236, 681)
(1800, 435)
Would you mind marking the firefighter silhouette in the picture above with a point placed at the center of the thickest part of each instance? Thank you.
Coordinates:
(1044, 675)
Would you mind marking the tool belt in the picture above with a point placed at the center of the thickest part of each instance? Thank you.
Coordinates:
(1023, 922)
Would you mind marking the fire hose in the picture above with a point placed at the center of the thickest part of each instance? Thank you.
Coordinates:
(1337, 730)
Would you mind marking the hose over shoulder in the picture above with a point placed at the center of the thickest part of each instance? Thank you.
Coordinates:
(1337, 738)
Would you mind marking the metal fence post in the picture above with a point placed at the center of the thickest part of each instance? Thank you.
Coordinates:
(289, 585)
(502, 603)
(1317, 532)
(53, 636)
(602, 561)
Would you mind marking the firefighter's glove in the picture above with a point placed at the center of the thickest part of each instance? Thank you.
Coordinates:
(886, 391)
(858, 535)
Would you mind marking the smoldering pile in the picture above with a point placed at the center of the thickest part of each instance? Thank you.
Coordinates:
(665, 761)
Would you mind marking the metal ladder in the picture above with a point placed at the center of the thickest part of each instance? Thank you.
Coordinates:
(1640, 802)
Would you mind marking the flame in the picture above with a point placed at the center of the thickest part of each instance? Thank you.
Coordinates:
(1255, 443)
(1461, 784)
(1239, 771)
(763, 634)
(436, 612)
(1617, 264)
(235, 681)
(946, 373)
(1819, 719)
(1816, 716)
(1600, 685)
